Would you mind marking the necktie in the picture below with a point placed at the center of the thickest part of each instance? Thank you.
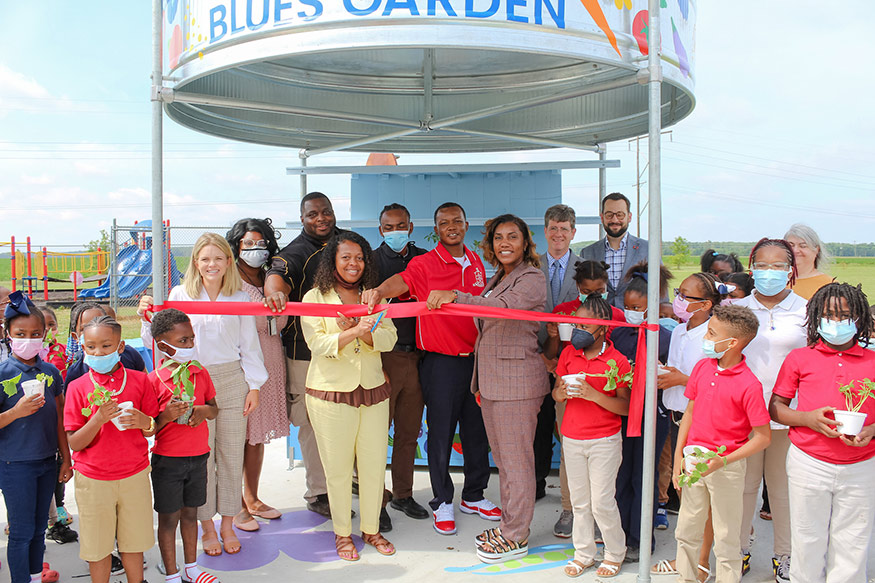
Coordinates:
(555, 283)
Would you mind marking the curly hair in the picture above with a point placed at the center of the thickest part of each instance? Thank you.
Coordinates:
(766, 242)
(530, 255)
(821, 303)
(637, 279)
(262, 226)
(324, 279)
(740, 320)
(166, 320)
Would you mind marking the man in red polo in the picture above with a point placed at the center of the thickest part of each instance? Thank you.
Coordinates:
(447, 365)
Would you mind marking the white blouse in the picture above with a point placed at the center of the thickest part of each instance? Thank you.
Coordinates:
(222, 339)
(781, 330)
(684, 352)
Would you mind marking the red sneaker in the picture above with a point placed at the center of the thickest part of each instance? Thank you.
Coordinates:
(484, 508)
(444, 519)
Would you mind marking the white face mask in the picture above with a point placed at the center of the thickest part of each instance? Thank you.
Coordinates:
(254, 257)
(634, 317)
(181, 355)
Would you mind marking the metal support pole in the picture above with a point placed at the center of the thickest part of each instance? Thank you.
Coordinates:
(158, 283)
(603, 184)
(654, 257)
(303, 156)
(428, 85)
(113, 268)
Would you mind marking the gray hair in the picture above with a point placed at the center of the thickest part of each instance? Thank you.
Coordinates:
(560, 213)
(809, 236)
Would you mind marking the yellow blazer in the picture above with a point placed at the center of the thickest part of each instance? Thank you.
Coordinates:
(345, 369)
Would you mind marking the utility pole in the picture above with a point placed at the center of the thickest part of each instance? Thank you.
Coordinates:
(638, 173)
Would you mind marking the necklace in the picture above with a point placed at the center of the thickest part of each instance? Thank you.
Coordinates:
(111, 392)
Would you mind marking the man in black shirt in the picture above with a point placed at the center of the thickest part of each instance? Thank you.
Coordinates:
(289, 278)
(402, 363)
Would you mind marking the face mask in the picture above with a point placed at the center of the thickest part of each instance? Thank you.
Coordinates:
(708, 348)
(181, 355)
(679, 307)
(254, 257)
(582, 297)
(396, 240)
(669, 323)
(26, 348)
(581, 339)
(770, 282)
(102, 364)
(837, 333)
(635, 317)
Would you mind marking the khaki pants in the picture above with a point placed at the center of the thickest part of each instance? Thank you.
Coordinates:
(296, 407)
(771, 462)
(592, 466)
(722, 492)
(405, 411)
(347, 435)
(832, 507)
(563, 476)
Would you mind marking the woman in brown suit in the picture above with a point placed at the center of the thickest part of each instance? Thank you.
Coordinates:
(509, 378)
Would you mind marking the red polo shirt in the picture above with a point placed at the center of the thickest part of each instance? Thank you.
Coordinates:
(728, 404)
(438, 270)
(174, 439)
(584, 419)
(814, 375)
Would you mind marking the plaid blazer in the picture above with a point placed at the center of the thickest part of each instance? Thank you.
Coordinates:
(508, 366)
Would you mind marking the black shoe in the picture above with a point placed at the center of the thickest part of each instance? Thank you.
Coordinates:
(410, 507)
(117, 566)
(385, 521)
(355, 488)
(62, 534)
(540, 493)
(632, 555)
(320, 506)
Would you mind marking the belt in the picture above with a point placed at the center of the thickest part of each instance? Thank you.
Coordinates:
(404, 348)
(465, 354)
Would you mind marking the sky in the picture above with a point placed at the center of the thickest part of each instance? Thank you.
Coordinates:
(780, 134)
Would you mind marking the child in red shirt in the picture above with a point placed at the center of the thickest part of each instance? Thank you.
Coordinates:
(111, 454)
(832, 503)
(179, 458)
(591, 438)
(725, 405)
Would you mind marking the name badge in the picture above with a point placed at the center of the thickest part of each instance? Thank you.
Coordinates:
(271, 326)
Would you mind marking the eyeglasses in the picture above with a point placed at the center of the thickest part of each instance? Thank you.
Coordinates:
(771, 266)
(250, 243)
(555, 229)
(678, 293)
(618, 215)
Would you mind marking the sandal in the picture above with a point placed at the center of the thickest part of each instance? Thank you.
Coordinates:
(210, 542)
(379, 542)
(575, 568)
(703, 570)
(765, 515)
(610, 570)
(49, 575)
(498, 549)
(663, 567)
(265, 511)
(346, 548)
(487, 535)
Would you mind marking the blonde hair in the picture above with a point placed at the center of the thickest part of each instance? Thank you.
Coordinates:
(192, 282)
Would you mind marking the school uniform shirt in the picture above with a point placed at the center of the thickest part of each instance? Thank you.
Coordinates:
(728, 404)
(222, 339)
(174, 439)
(129, 358)
(113, 454)
(782, 329)
(34, 437)
(438, 270)
(57, 357)
(813, 375)
(684, 351)
(584, 419)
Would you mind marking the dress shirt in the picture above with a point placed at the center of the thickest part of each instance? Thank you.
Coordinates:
(615, 260)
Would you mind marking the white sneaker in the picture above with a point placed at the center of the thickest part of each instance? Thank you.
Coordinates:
(484, 508)
(445, 519)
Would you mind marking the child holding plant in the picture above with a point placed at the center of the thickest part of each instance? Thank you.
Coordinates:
(31, 433)
(591, 436)
(725, 405)
(108, 415)
(186, 398)
(832, 503)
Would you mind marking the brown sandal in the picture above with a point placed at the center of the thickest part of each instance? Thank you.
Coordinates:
(346, 548)
(379, 542)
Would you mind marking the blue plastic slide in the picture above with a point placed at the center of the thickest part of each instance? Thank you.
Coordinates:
(134, 268)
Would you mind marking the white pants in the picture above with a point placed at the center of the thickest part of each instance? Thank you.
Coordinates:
(832, 508)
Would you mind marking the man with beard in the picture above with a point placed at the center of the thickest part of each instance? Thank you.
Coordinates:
(618, 248)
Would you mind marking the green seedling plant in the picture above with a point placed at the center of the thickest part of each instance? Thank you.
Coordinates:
(860, 395)
(181, 379)
(701, 465)
(99, 396)
(10, 386)
(613, 375)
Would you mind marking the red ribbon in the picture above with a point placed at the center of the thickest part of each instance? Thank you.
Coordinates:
(415, 309)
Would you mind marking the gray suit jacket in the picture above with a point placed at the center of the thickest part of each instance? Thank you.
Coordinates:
(636, 251)
(568, 289)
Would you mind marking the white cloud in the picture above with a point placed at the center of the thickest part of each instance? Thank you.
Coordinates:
(89, 169)
(41, 180)
(15, 84)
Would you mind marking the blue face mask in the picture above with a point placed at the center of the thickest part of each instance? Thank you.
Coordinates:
(582, 297)
(770, 282)
(102, 364)
(708, 348)
(837, 333)
(669, 323)
(396, 240)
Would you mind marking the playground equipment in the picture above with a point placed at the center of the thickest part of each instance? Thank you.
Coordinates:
(55, 266)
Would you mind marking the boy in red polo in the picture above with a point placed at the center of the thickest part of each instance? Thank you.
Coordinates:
(447, 366)
(179, 458)
(726, 404)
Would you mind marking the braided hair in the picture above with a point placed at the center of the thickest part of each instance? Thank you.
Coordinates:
(599, 308)
(591, 270)
(713, 289)
(80, 308)
(823, 301)
(766, 242)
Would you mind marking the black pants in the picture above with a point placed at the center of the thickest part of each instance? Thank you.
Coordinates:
(544, 442)
(59, 485)
(446, 390)
(629, 476)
